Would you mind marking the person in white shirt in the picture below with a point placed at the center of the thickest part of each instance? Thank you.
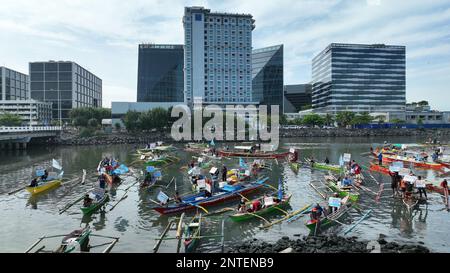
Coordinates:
(420, 185)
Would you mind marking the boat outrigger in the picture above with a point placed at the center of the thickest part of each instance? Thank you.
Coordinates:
(77, 240)
(192, 233)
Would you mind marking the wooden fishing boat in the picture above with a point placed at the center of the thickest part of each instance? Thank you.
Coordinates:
(443, 163)
(77, 239)
(343, 192)
(295, 166)
(243, 216)
(223, 194)
(420, 164)
(329, 220)
(192, 234)
(380, 169)
(435, 188)
(96, 204)
(44, 186)
(328, 167)
(161, 162)
(253, 155)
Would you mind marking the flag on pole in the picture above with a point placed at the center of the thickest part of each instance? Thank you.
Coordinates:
(280, 189)
(56, 165)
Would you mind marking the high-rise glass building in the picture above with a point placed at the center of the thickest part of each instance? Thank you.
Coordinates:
(66, 85)
(217, 56)
(267, 76)
(13, 85)
(297, 97)
(160, 73)
(359, 78)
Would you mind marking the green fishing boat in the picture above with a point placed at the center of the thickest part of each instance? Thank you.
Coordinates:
(327, 167)
(295, 166)
(192, 234)
(95, 205)
(243, 216)
(343, 192)
(329, 220)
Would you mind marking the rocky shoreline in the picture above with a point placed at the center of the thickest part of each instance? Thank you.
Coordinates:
(327, 244)
(72, 138)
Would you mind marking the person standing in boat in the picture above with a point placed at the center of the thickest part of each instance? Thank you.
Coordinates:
(326, 161)
(316, 212)
(102, 182)
(421, 185)
(45, 175)
(380, 158)
(224, 173)
(395, 180)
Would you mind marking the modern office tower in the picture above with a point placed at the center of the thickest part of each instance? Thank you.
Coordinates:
(217, 56)
(359, 78)
(32, 112)
(160, 73)
(66, 85)
(297, 97)
(267, 76)
(13, 85)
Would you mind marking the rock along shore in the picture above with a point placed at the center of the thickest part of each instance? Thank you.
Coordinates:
(72, 138)
(326, 244)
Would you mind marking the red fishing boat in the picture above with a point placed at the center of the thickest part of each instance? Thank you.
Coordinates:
(381, 169)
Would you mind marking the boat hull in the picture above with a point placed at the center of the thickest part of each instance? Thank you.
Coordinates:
(342, 193)
(47, 186)
(320, 166)
(252, 155)
(96, 206)
(239, 217)
(207, 201)
(380, 169)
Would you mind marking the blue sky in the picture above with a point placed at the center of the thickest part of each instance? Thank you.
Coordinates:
(103, 35)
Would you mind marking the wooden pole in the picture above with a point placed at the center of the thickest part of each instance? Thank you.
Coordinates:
(70, 205)
(179, 233)
(223, 235)
(358, 222)
(33, 245)
(108, 249)
(321, 194)
(156, 247)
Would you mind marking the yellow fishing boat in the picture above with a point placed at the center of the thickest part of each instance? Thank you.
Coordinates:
(44, 187)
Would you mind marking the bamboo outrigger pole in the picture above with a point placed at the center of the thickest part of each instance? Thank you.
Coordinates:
(156, 247)
(179, 234)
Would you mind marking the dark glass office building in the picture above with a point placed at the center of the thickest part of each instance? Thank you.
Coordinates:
(267, 76)
(66, 85)
(359, 78)
(13, 85)
(297, 97)
(160, 73)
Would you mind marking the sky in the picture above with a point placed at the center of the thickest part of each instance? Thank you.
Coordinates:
(103, 35)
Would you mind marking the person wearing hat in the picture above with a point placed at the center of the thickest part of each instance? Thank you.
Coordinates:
(241, 206)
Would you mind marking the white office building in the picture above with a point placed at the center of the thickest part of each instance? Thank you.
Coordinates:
(32, 112)
(217, 57)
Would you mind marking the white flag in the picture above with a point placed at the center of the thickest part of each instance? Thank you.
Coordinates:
(56, 165)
